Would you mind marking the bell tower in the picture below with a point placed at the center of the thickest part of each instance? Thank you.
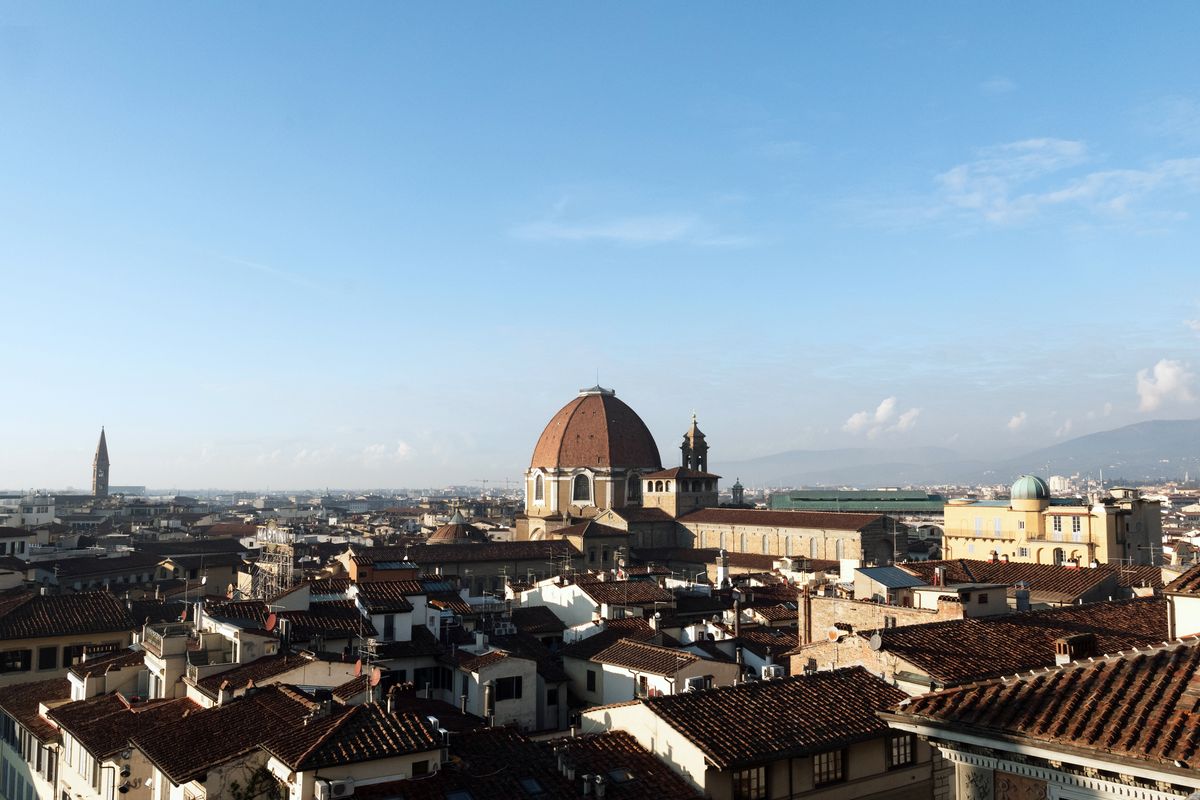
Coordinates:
(100, 468)
(694, 449)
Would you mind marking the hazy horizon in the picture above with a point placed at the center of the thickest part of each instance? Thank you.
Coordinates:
(382, 246)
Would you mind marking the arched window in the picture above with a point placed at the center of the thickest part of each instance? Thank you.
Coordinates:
(539, 489)
(723, 547)
(1059, 556)
(839, 549)
(812, 548)
(789, 546)
(581, 489)
(667, 486)
(765, 545)
(742, 549)
(635, 489)
(658, 486)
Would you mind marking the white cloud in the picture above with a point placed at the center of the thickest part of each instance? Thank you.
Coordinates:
(876, 422)
(1018, 421)
(1168, 381)
(1174, 117)
(1064, 429)
(997, 85)
(1014, 182)
(1194, 324)
(379, 453)
(908, 419)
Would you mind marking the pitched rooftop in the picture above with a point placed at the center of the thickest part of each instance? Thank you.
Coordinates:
(790, 717)
(27, 615)
(961, 650)
(356, 733)
(1141, 705)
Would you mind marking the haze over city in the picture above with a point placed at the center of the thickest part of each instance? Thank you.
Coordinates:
(310, 249)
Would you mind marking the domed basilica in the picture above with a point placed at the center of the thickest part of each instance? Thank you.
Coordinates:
(596, 481)
(596, 455)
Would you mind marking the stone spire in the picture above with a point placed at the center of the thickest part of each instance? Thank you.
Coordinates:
(100, 468)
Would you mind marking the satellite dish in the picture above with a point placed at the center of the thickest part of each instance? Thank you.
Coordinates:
(272, 621)
(876, 641)
(376, 676)
(834, 633)
(358, 668)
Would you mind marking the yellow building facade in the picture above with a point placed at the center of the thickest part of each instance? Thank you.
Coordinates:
(1033, 527)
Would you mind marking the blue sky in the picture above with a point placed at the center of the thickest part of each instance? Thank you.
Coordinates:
(303, 245)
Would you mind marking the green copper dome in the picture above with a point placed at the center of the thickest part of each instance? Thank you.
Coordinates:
(1030, 487)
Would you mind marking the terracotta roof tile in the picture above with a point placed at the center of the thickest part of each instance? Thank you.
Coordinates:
(769, 720)
(625, 592)
(473, 662)
(256, 671)
(331, 619)
(1187, 583)
(329, 585)
(596, 430)
(205, 739)
(1141, 705)
(680, 472)
(634, 628)
(957, 651)
(21, 702)
(537, 620)
(105, 724)
(1052, 582)
(27, 615)
(643, 657)
(356, 733)
(387, 597)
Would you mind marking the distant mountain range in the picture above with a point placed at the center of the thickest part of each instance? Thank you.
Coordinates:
(1144, 451)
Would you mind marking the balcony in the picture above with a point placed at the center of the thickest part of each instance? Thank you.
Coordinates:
(166, 638)
(209, 662)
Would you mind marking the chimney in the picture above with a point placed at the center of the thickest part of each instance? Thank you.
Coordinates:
(806, 615)
(1022, 596)
(480, 640)
(939, 576)
(722, 569)
(1073, 648)
(1005, 557)
(489, 705)
(737, 618)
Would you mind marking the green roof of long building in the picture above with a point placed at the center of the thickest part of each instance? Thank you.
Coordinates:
(857, 500)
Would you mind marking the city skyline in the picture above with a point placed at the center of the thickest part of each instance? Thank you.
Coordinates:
(312, 250)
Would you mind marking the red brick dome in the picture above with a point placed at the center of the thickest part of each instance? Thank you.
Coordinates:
(596, 430)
